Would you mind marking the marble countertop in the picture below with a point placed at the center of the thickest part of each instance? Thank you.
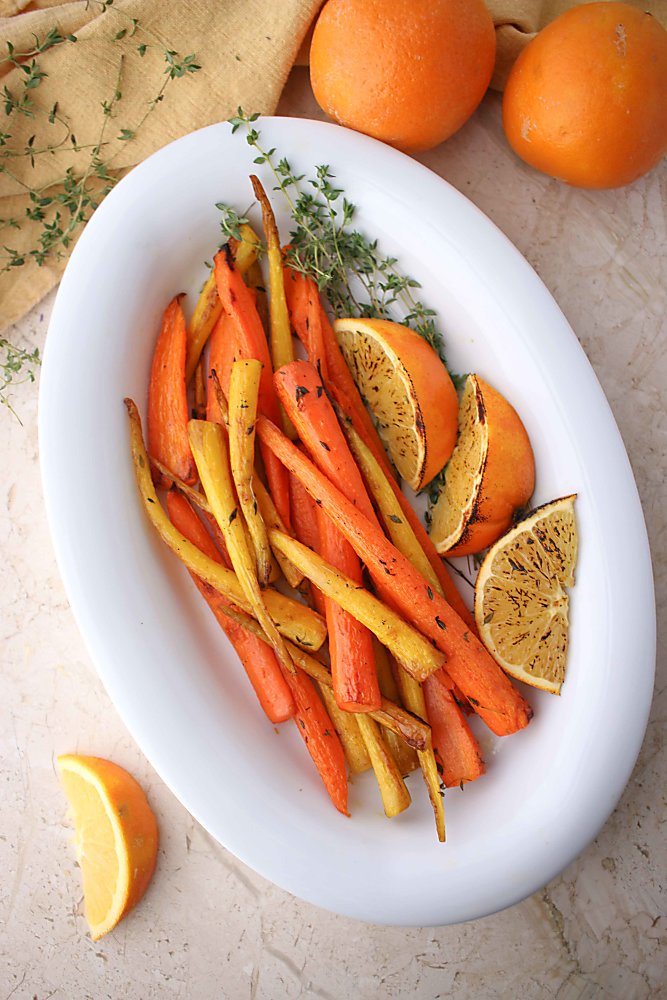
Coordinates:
(209, 927)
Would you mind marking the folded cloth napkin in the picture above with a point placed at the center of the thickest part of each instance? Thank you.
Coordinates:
(245, 49)
(108, 89)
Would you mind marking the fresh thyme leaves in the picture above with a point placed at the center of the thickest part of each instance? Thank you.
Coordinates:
(356, 277)
(63, 207)
(66, 204)
(17, 366)
(230, 222)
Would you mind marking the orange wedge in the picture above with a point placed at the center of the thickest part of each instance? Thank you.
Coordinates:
(521, 604)
(490, 475)
(116, 837)
(407, 389)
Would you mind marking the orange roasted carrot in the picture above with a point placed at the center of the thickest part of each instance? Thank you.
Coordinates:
(167, 399)
(323, 351)
(281, 695)
(322, 741)
(300, 391)
(355, 682)
(223, 351)
(302, 394)
(257, 657)
(469, 664)
(343, 390)
(456, 750)
(239, 304)
(303, 300)
(305, 527)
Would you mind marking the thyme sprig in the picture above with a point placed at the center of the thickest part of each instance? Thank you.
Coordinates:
(357, 278)
(62, 208)
(16, 367)
(66, 204)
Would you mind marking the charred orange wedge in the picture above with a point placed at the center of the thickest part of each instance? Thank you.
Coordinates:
(407, 389)
(490, 475)
(521, 604)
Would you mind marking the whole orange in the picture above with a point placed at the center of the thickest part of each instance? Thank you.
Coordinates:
(407, 72)
(586, 101)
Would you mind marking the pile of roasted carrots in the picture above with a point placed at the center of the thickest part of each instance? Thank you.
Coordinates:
(307, 538)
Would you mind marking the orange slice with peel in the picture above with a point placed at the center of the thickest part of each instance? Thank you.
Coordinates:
(407, 389)
(490, 475)
(521, 604)
(116, 837)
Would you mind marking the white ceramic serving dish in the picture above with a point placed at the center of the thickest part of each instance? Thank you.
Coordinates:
(161, 655)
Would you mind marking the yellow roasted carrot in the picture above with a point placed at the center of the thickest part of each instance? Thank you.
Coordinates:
(413, 699)
(282, 348)
(274, 521)
(394, 792)
(208, 308)
(413, 650)
(463, 761)
(404, 755)
(209, 447)
(413, 731)
(243, 396)
(293, 620)
(345, 724)
(391, 514)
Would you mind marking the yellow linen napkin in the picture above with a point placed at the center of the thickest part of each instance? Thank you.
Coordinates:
(244, 48)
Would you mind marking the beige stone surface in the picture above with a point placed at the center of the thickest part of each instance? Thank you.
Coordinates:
(210, 928)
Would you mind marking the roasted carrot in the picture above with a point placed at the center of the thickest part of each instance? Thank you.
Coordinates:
(237, 301)
(209, 307)
(301, 392)
(322, 741)
(468, 663)
(343, 390)
(255, 280)
(412, 696)
(282, 348)
(419, 657)
(415, 732)
(456, 749)
(406, 758)
(167, 399)
(211, 452)
(396, 524)
(394, 791)
(350, 644)
(223, 351)
(282, 696)
(352, 660)
(345, 724)
(274, 521)
(243, 394)
(304, 523)
(306, 315)
(257, 657)
(293, 620)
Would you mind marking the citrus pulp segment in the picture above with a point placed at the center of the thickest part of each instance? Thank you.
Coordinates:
(407, 389)
(116, 837)
(521, 604)
(490, 475)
